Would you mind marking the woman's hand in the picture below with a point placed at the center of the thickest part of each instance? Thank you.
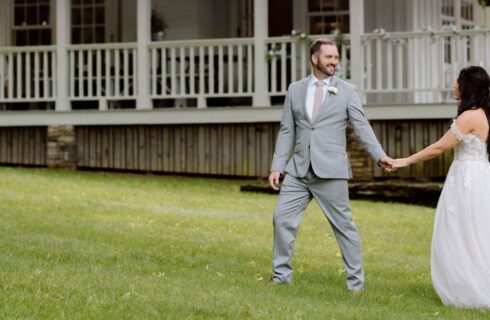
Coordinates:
(400, 163)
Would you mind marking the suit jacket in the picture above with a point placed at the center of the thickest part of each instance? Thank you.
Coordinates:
(322, 144)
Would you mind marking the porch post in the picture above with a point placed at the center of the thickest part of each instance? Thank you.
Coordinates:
(356, 20)
(261, 32)
(457, 14)
(487, 16)
(143, 35)
(63, 31)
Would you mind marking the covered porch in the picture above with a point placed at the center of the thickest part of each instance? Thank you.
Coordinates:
(397, 68)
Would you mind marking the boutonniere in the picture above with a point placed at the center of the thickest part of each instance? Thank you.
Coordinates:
(333, 90)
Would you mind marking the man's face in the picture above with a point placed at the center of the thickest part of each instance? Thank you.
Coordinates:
(326, 60)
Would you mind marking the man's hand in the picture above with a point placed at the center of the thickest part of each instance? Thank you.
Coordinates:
(274, 180)
(387, 164)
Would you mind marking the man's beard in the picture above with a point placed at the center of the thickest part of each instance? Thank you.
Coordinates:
(324, 69)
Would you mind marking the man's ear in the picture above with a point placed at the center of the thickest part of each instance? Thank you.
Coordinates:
(314, 58)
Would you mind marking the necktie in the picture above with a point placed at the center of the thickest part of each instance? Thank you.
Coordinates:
(318, 99)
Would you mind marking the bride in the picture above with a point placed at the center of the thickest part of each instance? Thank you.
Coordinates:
(460, 255)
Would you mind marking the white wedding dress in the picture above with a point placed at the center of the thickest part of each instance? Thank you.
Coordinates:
(460, 257)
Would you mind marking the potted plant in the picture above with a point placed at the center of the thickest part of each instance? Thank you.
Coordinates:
(158, 26)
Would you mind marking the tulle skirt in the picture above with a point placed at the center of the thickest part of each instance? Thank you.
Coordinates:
(460, 257)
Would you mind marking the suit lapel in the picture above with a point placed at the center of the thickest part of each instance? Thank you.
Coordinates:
(303, 98)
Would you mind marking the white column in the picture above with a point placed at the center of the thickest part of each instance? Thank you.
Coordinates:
(457, 13)
(143, 35)
(261, 32)
(63, 31)
(356, 20)
(487, 16)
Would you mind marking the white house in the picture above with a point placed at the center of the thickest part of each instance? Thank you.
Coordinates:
(104, 62)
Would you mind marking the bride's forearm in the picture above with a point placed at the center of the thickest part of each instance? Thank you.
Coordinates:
(428, 153)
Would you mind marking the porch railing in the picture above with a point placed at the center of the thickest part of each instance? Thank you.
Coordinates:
(102, 72)
(201, 69)
(28, 74)
(406, 67)
(420, 67)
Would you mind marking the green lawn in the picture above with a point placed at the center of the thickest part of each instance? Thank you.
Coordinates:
(84, 245)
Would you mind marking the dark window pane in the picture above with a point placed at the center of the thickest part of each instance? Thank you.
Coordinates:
(88, 35)
(328, 5)
(316, 25)
(31, 1)
(44, 15)
(314, 5)
(99, 15)
(34, 38)
(19, 16)
(344, 23)
(342, 4)
(330, 24)
(88, 15)
(100, 34)
(46, 37)
(76, 18)
(75, 2)
(17, 2)
(76, 35)
(21, 38)
(32, 16)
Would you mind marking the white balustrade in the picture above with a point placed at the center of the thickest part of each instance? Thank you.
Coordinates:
(27, 74)
(421, 65)
(201, 69)
(102, 72)
(404, 67)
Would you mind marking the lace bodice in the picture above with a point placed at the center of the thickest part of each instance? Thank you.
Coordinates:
(471, 148)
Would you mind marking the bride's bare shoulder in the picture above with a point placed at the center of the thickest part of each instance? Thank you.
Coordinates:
(472, 121)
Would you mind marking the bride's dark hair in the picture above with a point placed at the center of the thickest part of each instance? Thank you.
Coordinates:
(474, 85)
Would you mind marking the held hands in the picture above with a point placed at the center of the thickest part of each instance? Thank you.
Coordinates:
(392, 165)
(387, 164)
(274, 180)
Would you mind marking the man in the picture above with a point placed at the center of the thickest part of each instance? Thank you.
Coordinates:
(313, 129)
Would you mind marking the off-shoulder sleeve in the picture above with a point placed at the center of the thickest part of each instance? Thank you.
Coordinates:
(458, 134)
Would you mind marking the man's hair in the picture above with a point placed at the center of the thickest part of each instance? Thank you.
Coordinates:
(316, 46)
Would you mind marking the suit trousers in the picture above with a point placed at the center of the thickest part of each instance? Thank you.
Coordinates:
(332, 196)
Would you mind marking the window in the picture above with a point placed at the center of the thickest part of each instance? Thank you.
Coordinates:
(88, 21)
(466, 18)
(32, 23)
(325, 16)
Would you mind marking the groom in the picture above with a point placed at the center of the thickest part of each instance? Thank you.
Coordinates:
(311, 149)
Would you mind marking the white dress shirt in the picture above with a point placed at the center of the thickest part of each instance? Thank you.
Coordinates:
(310, 93)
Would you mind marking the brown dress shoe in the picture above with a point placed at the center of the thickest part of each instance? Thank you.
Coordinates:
(272, 282)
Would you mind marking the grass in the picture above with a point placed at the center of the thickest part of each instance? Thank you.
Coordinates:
(84, 245)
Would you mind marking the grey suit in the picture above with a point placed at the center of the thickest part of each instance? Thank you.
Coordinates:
(315, 159)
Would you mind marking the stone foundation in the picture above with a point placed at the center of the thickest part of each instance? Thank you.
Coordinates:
(62, 147)
(360, 161)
